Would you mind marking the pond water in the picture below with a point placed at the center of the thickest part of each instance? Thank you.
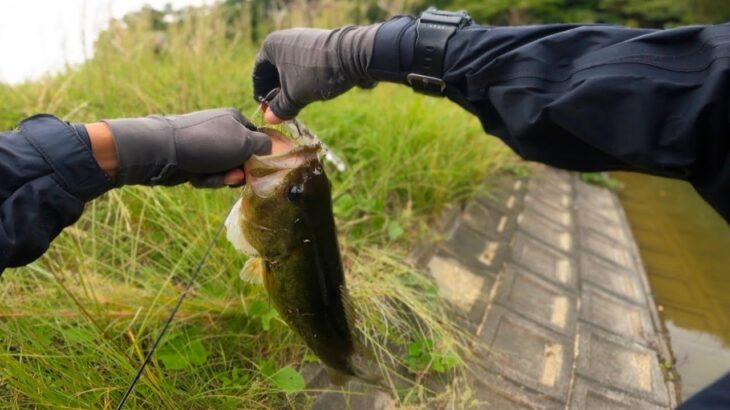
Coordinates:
(685, 246)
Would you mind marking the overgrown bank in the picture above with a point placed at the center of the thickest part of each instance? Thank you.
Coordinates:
(75, 324)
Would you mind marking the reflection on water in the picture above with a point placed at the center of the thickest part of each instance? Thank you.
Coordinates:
(685, 246)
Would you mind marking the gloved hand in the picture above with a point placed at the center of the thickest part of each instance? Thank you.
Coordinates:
(312, 65)
(199, 147)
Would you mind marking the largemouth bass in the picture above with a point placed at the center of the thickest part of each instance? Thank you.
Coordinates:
(284, 222)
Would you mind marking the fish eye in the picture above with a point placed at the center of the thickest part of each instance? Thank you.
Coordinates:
(295, 192)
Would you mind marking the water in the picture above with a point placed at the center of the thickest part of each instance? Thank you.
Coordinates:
(685, 246)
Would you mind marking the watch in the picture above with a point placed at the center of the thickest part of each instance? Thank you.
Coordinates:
(433, 30)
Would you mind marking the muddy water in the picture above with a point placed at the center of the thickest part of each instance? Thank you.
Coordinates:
(685, 246)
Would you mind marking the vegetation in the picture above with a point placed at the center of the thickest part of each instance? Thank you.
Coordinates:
(634, 13)
(75, 324)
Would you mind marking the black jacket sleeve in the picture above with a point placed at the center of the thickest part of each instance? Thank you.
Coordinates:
(591, 98)
(47, 173)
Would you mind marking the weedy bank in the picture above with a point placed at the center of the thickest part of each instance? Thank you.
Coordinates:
(75, 324)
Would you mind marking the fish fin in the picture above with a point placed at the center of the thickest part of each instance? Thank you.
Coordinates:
(253, 271)
(234, 233)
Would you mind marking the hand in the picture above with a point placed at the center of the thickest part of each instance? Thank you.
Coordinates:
(207, 148)
(311, 65)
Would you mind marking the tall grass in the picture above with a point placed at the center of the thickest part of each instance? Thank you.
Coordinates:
(75, 324)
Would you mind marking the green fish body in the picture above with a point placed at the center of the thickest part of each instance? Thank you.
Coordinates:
(287, 227)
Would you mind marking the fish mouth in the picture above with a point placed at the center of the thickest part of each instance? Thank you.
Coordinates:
(264, 173)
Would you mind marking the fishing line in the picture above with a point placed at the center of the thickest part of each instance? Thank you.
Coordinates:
(191, 281)
(162, 332)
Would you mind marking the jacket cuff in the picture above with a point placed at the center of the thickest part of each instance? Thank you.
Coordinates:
(393, 50)
(67, 150)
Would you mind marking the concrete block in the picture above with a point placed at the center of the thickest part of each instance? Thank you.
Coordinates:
(556, 213)
(555, 197)
(620, 364)
(466, 290)
(605, 275)
(544, 171)
(490, 221)
(590, 395)
(496, 392)
(545, 230)
(507, 198)
(355, 396)
(616, 315)
(583, 203)
(550, 184)
(607, 248)
(607, 227)
(535, 357)
(596, 195)
(544, 260)
(527, 294)
(479, 252)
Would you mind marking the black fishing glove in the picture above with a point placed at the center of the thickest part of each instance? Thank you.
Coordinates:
(198, 147)
(312, 65)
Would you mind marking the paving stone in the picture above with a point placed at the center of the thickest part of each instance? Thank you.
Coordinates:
(488, 220)
(583, 203)
(546, 193)
(463, 288)
(356, 397)
(548, 305)
(551, 184)
(608, 248)
(558, 214)
(544, 171)
(620, 364)
(496, 392)
(622, 318)
(552, 264)
(545, 230)
(506, 199)
(474, 250)
(618, 281)
(535, 357)
(607, 227)
(592, 396)
(597, 195)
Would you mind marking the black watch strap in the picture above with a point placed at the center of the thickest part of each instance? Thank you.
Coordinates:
(432, 34)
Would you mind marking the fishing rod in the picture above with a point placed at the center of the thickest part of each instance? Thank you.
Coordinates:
(164, 328)
(303, 132)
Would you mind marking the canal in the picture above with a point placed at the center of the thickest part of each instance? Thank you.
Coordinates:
(685, 246)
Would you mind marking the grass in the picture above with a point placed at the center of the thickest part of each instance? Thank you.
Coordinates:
(75, 324)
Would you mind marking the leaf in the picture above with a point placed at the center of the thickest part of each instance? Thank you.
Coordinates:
(288, 379)
(395, 230)
(345, 206)
(267, 368)
(258, 307)
(263, 311)
(450, 359)
(179, 354)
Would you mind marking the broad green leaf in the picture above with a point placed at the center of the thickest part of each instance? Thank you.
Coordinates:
(180, 354)
(288, 379)
(395, 230)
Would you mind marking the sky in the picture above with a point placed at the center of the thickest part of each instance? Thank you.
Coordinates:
(42, 36)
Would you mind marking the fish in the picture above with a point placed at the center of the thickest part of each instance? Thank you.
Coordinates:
(285, 224)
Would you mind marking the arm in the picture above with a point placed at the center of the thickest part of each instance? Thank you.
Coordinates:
(592, 97)
(49, 169)
(47, 173)
(585, 98)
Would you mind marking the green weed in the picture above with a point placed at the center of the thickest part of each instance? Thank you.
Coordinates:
(75, 324)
